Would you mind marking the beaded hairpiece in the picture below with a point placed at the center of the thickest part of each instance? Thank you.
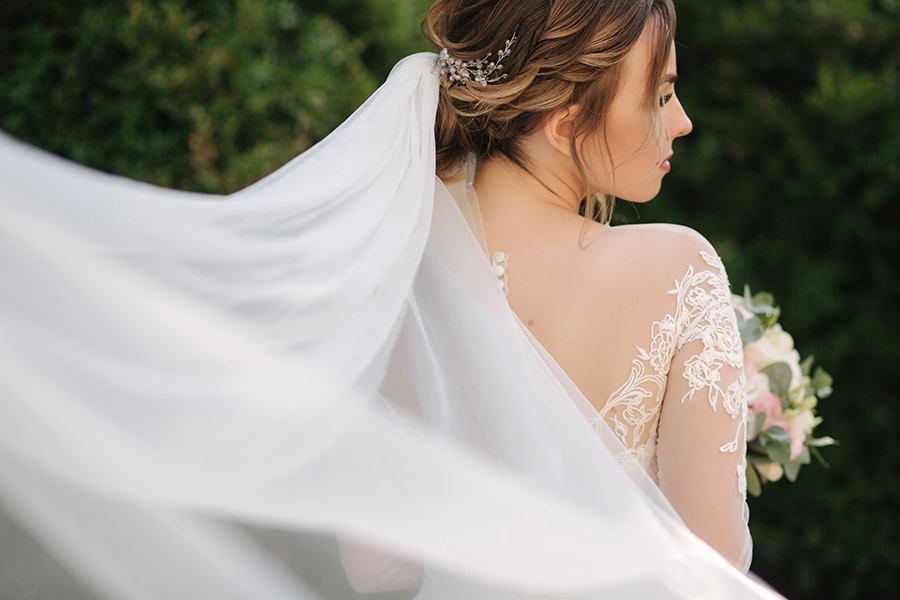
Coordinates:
(482, 71)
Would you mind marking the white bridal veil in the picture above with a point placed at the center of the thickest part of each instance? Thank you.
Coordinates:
(196, 389)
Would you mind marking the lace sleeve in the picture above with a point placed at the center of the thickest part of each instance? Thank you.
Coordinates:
(701, 449)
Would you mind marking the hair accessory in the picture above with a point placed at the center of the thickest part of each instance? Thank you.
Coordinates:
(482, 71)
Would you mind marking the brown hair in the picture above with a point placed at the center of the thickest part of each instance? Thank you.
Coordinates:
(566, 52)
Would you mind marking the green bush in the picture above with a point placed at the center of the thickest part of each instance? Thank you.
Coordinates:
(205, 96)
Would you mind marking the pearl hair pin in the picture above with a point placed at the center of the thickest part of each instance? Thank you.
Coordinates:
(481, 72)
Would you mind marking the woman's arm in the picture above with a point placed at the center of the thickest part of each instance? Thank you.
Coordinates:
(702, 448)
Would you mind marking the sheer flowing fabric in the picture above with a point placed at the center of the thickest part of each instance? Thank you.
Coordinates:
(325, 352)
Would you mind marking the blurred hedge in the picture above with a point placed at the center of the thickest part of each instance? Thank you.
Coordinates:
(203, 95)
(793, 171)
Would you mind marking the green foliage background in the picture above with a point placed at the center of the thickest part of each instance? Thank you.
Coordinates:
(793, 171)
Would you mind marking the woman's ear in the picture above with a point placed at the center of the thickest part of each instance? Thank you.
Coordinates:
(559, 128)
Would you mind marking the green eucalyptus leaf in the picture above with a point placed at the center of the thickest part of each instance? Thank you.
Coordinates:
(765, 299)
(754, 486)
(771, 317)
(758, 459)
(779, 452)
(756, 446)
(751, 329)
(780, 376)
(822, 382)
(806, 365)
(762, 305)
(791, 470)
(756, 426)
(775, 433)
(777, 443)
(748, 299)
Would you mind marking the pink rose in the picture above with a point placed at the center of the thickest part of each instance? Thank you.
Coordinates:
(770, 404)
(749, 369)
(798, 439)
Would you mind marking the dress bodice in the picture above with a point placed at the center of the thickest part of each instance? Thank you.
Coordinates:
(702, 313)
(680, 408)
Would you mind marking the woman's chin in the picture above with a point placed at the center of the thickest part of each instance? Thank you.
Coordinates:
(643, 196)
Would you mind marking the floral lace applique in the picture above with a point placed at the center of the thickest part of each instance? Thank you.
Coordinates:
(703, 312)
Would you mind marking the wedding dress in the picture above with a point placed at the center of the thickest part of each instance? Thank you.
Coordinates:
(326, 352)
(665, 371)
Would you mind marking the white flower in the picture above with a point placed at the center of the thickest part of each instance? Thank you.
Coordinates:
(781, 339)
(771, 471)
(757, 385)
(776, 345)
(805, 419)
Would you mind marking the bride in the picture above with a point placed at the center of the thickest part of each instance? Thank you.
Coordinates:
(595, 114)
(463, 384)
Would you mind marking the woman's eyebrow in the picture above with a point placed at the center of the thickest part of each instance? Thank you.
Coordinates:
(670, 78)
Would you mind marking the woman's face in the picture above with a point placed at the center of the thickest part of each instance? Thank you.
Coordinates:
(638, 152)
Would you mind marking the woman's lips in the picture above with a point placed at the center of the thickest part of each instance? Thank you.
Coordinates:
(665, 166)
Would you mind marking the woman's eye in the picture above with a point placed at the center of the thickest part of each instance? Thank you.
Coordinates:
(664, 99)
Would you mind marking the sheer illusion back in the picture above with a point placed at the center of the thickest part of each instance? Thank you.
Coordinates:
(640, 318)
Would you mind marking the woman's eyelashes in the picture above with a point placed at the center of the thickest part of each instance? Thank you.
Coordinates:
(664, 99)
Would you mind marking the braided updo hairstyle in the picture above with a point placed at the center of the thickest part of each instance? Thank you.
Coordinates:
(566, 52)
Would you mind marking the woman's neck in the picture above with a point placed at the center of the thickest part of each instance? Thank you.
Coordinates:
(500, 180)
(520, 208)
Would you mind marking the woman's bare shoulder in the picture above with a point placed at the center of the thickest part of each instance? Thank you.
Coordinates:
(603, 305)
(660, 239)
(624, 270)
(650, 251)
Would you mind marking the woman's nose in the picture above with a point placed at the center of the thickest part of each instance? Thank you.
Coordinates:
(679, 123)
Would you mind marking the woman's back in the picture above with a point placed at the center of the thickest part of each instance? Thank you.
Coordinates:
(640, 318)
(591, 307)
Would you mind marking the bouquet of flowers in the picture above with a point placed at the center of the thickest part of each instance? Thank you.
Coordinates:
(782, 393)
